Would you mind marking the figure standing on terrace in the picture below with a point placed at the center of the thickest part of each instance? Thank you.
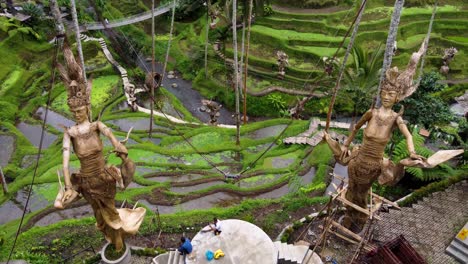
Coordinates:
(366, 163)
(95, 181)
(449, 54)
(282, 60)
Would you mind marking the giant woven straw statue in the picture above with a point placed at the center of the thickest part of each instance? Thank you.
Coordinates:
(366, 163)
(95, 181)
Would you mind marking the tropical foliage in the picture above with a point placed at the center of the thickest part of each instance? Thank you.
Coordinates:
(442, 171)
(13, 26)
(362, 78)
(423, 107)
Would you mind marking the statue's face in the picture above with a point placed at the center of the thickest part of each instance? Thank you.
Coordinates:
(388, 97)
(80, 114)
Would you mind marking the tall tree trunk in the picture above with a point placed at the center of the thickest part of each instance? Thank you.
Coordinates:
(152, 70)
(392, 33)
(236, 68)
(80, 51)
(208, 6)
(242, 61)
(247, 60)
(58, 18)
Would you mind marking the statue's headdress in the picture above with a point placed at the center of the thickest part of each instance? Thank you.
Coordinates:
(401, 82)
(72, 77)
(390, 83)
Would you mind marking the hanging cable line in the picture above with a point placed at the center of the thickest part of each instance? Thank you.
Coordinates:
(252, 164)
(329, 43)
(356, 23)
(247, 60)
(428, 36)
(169, 41)
(38, 156)
(164, 114)
(130, 44)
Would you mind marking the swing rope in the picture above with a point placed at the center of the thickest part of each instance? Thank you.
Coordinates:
(38, 156)
(169, 41)
(356, 23)
(428, 36)
(390, 44)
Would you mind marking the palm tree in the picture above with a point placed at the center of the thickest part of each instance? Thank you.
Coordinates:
(362, 78)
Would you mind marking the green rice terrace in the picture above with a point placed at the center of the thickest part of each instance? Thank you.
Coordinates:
(189, 171)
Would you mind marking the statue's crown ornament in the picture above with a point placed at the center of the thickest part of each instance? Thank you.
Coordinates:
(390, 83)
(72, 76)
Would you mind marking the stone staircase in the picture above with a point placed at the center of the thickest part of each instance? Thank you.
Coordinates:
(458, 249)
(172, 257)
(430, 224)
(295, 254)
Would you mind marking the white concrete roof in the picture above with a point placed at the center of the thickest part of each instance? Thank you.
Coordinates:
(241, 242)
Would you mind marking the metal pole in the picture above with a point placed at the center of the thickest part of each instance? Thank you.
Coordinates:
(2, 179)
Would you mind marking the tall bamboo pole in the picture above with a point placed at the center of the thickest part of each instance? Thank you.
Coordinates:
(80, 51)
(58, 19)
(78, 40)
(356, 22)
(208, 5)
(236, 68)
(241, 65)
(152, 70)
(247, 60)
(392, 32)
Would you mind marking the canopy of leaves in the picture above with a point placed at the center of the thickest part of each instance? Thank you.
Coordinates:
(33, 10)
(361, 79)
(423, 107)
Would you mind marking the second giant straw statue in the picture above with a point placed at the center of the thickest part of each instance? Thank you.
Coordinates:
(95, 181)
(366, 163)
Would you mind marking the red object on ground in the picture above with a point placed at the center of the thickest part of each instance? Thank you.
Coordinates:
(396, 251)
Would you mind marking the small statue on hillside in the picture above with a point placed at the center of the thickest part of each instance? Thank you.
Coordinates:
(129, 89)
(214, 14)
(212, 108)
(449, 54)
(296, 111)
(152, 79)
(329, 64)
(282, 61)
(463, 101)
(95, 181)
(366, 163)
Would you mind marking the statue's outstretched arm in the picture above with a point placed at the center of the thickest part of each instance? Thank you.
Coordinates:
(409, 139)
(341, 153)
(70, 195)
(65, 164)
(119, 147)
(365, 118)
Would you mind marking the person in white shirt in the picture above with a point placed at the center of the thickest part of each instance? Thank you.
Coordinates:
(216, 228)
